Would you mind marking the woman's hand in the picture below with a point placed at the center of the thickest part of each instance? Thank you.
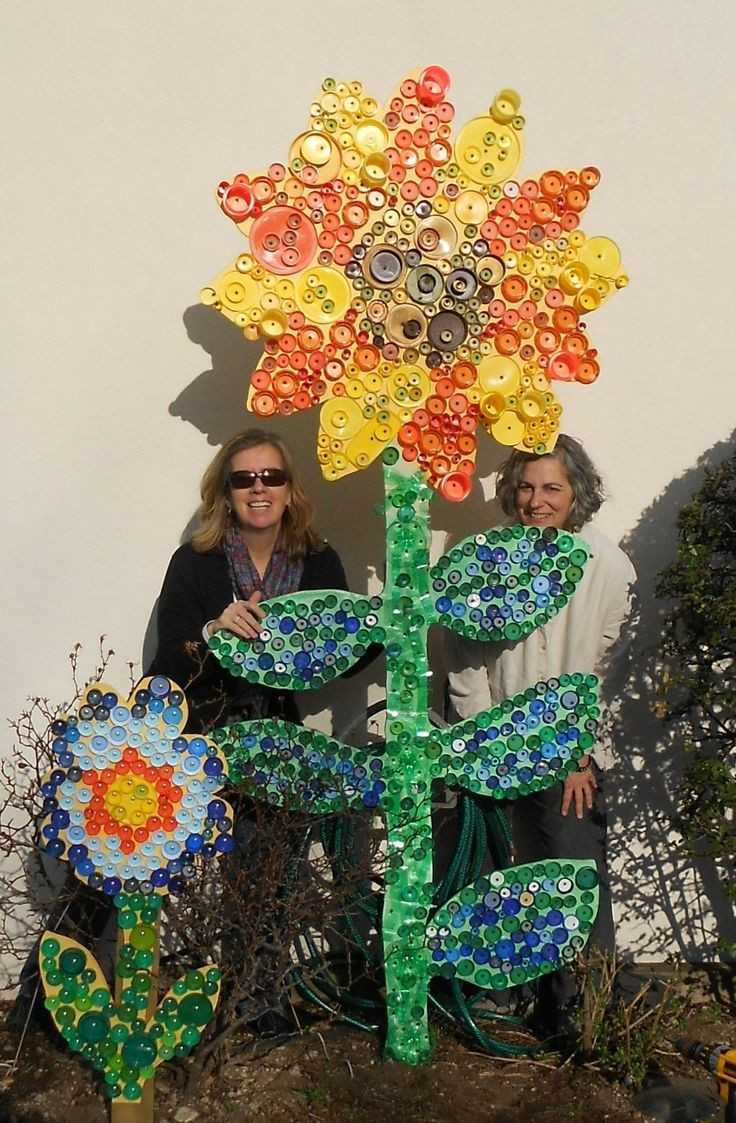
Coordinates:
(243, 617)
(579, 789)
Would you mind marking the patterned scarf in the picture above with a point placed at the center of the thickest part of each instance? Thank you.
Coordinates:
(283, 575)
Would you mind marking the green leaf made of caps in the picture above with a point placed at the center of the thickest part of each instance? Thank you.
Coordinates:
(307, 639)
(291, 766)
(514, 925)
(503, 584)
(526, 743)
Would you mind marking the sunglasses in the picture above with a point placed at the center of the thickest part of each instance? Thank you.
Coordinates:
(269, 477)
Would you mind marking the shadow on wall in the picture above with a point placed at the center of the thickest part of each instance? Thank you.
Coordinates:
(666, 901)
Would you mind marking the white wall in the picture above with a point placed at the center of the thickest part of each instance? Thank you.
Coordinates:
(120, 121)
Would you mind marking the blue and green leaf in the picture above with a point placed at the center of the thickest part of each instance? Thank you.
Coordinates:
(503, 584)
(527, 743)
(514, 925)
(307, 639)
(292, 766)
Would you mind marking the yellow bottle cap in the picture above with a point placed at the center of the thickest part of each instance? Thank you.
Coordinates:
(499, 374)
(322, 294)
(371, 136)
(492, 406)
(471, 207)
(487, 150)
(237, 291)
(531, 406)
(341, 418)
(509, 429)
(375, 169)
(601, 256)
(573, 277)
(506, 106)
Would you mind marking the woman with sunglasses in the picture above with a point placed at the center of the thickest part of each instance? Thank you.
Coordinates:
(254, 541)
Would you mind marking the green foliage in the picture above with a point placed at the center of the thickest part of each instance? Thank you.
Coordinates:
(699, 647)
(316, 1096)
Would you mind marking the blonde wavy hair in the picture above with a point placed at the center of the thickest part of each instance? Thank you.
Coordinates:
(297, 536)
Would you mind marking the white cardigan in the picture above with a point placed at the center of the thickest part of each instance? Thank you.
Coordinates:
(582, 637)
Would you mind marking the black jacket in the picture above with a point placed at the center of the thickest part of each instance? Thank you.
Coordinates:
(196, 589)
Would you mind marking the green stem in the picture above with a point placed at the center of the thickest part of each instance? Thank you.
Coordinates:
(408, 802)
(136, 983)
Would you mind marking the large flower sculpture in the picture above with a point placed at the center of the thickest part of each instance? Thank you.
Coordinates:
(410, 286)
(414, 290)
(130, 804)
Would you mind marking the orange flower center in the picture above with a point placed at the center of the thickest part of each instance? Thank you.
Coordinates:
(131, 800)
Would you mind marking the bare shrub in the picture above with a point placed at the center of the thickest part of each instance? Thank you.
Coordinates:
(282, 908)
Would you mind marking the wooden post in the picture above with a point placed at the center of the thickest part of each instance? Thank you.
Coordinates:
(142, 1111)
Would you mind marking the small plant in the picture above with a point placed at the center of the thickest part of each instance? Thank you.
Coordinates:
(316, 1097)
(622, 1036)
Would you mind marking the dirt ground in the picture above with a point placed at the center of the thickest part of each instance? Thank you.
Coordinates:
(334, 1074)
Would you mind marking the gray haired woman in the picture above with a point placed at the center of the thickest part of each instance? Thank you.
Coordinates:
(560, 489)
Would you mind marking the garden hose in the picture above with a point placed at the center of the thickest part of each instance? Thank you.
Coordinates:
(332, 988)
(487, 1044)
(309, 995)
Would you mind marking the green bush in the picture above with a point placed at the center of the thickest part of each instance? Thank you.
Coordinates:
(699, 648)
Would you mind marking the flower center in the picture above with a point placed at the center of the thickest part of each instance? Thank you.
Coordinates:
(131, 800)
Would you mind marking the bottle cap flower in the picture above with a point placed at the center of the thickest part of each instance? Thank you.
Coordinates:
(132, 801)
(409, 285)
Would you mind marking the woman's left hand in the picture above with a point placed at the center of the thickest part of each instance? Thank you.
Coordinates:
(579, 789)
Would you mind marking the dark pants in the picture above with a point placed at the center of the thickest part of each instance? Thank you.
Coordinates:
(540, 832)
